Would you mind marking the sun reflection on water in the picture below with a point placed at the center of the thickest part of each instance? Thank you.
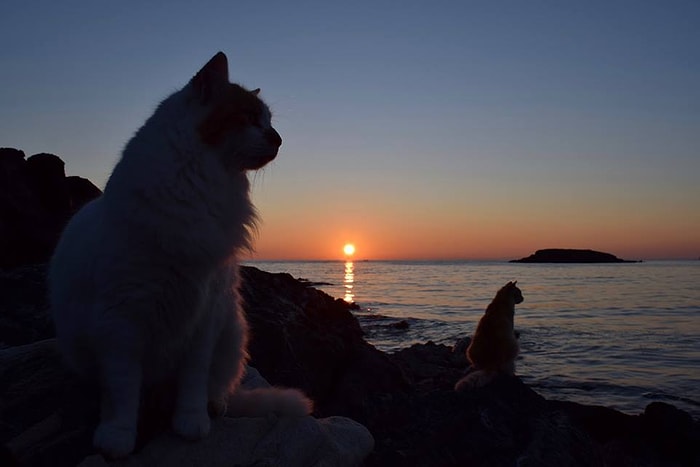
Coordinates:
(349, 281)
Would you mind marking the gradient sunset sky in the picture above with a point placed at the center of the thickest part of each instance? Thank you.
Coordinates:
(415, 130)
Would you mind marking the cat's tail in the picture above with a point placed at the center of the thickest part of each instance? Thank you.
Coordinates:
(475, 379)
(261, 402)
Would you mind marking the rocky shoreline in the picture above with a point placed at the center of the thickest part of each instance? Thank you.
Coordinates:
(304, 338)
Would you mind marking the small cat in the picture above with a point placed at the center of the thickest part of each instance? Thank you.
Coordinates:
(494, 346)
(144, 280)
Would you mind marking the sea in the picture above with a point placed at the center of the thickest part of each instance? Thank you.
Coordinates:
(619, 335)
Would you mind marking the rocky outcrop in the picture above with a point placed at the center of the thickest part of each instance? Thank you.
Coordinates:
(36, 201)
(507, 423)
(302, 337)
(564, 255)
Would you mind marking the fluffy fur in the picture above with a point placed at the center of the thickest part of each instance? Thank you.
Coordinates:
(494, 346)
(144, 281)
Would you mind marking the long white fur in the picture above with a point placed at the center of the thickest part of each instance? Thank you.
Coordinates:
(144, 281)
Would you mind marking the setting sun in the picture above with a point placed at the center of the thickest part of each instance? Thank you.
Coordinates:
(349, 249)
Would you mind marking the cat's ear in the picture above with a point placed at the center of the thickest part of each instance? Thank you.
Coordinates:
(211, 78)
(255, 91)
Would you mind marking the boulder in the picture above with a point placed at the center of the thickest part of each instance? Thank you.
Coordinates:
(302, 337)
(507, 423)
(431, 366)
(80, 192)
(47, 179)
(36, 201)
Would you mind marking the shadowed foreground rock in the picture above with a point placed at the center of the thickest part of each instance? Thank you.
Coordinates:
(333, 441)
(506, 423)
(55, 416)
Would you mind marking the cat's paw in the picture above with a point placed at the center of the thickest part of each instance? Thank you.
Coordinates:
(192, 425)
(114, 441)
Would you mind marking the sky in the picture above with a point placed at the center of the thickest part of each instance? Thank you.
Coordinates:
(414, 129)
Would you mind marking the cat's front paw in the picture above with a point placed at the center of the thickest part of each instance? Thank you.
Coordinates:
(114, 441)
(192, 425)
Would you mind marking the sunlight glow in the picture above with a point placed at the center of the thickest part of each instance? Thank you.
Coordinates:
(349, 249)
(349, 281)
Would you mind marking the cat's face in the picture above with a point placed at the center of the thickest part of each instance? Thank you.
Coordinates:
(234, 121)
(514, 292)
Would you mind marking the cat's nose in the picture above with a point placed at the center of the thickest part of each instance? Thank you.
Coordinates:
(273, 137)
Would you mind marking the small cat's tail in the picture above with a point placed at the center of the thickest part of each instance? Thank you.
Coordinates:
(261, 402)
(475, 379)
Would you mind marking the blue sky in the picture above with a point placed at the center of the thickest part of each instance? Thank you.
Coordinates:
(408, 127)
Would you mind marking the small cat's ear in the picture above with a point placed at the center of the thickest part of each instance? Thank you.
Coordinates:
(211, 78)
(255, 91)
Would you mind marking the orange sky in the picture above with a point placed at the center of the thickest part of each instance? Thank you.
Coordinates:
(381, 228)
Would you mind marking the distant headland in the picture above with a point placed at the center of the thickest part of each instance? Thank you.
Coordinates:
(566, 255)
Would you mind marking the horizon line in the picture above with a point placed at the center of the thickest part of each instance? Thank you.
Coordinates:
(435, 260)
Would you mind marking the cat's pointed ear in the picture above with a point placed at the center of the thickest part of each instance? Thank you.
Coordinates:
(255, 91)
(211, 78)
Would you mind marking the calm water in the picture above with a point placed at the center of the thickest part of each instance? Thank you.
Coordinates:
(619, 335)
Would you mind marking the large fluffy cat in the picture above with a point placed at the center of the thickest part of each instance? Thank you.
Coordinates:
(144, 280)
(493, 346)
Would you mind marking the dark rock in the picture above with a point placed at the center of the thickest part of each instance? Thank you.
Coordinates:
(401, 325)
(80, 192)
(24, 307)
(663, 435)
(665, 418)
(47, 415)
(459, 352)
(310, 283)
(36, 201)
(430, 366)
(562, 255)
(603, 423)
(47, 179)
(672, 430)
(441, 427)
(302, 337)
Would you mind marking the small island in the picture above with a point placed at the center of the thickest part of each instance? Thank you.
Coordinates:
(567, 255)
